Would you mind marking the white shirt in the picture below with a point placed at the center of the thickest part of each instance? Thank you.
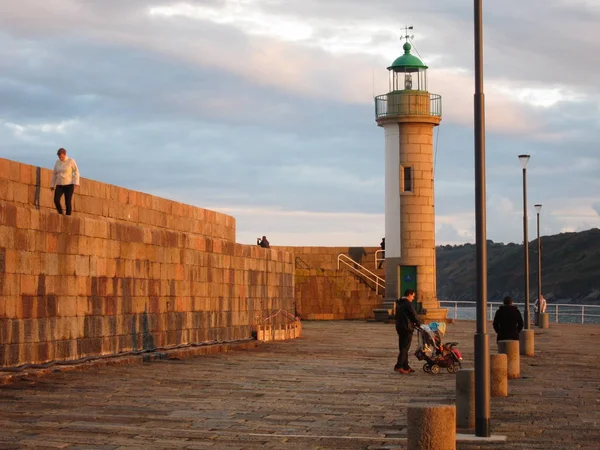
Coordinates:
(541, 304)
(65, 172)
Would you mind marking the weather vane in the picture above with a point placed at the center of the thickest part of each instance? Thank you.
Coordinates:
(406, 35)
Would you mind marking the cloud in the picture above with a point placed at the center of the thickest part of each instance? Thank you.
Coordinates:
(447, 234)
(306, 228)
(29, 130)
(267, 106)
(504, 113)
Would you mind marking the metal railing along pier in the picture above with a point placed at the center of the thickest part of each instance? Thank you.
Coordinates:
(558, 312)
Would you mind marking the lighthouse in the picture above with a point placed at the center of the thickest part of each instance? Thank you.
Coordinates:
(408, 113)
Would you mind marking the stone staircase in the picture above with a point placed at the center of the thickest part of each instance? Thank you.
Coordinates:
(326, 294)
(323, 294)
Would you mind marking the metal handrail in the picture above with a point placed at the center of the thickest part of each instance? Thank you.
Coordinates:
(364, 272)
(379, 252)
(300, 262)
(556, 314)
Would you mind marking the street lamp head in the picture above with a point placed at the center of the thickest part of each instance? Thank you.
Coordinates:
(538, 208)
(524, 159)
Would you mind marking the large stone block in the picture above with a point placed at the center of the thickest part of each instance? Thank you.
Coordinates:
(7, 237)
(5, 166)
(51, 222)
(8, 260)
(28, 263)
(23, 218)
(6, 190)
(21, 194)
(67, 306)
(420, 138)
(10, 305)
(8, 214)
(28, 285)
(82, 266)
(5, 325)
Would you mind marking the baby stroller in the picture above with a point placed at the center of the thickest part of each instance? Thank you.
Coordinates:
(435, 354)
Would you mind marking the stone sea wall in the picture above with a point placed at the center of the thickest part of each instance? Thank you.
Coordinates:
(127, 272)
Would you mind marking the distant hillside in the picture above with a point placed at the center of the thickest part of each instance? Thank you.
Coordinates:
(570, 269)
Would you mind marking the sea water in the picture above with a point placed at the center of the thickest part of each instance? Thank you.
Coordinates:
(561, 313)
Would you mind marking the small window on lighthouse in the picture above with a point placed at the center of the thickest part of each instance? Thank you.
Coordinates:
(407, 181)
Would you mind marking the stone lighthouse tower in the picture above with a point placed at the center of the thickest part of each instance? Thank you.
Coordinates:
(408, 114)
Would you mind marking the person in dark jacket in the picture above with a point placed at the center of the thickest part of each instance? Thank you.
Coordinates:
(508, 321)
(406, 321)
(264, 243)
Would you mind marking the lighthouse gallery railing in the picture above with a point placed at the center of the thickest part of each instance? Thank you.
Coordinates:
(408, 103)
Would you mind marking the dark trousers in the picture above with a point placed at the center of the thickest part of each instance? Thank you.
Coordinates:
(67, 191)
(404, 341)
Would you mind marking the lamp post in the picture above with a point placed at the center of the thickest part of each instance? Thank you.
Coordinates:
(482, 351)
(538, 210)
(524, 159)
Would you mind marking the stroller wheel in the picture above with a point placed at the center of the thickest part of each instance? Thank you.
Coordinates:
(435, 369)
(451, 369)
(426, 368)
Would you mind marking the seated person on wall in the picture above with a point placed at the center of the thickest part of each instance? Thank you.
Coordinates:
(508, 321)
(264, 243)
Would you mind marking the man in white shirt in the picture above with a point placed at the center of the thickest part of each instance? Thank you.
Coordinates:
(65, 177)
(540, 305)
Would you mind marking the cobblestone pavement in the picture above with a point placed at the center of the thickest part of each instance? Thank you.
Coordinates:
(334, 388)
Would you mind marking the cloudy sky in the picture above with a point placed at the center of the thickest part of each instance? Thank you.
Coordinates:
(263, 109)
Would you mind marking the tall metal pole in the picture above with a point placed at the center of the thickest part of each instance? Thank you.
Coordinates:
(526, 248)
(539, 267)
(482, 357)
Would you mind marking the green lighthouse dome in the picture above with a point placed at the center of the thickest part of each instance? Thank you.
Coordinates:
(407, 62)
(408, 94)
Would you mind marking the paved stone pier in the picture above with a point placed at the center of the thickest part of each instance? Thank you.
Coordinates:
(334, 388)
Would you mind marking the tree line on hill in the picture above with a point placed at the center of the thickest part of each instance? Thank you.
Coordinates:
(570, 269)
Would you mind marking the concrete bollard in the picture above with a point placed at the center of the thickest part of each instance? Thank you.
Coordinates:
(431, 427)
(526, 339)
(499, 375)
(544, 320)
(465, 398)
(513, 360)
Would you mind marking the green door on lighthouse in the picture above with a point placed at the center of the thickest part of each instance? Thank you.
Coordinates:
(408, 280)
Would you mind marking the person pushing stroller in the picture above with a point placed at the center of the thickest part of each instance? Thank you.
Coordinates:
(406, 321)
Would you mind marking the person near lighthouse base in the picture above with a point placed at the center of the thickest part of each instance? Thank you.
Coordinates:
(406, 321)
(382, 260)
